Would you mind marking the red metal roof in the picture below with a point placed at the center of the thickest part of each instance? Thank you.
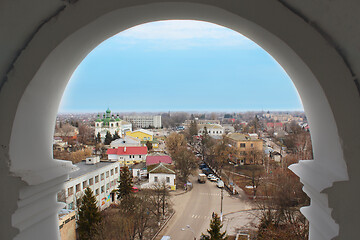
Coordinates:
(128, 151)
(150, 160)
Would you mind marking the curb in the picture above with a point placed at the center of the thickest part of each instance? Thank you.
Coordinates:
(163, 226)
(183, 192)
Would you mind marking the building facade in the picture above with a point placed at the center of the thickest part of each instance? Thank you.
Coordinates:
(127, 155)
(67, 224)
(162, 173)
(250, 147)
(101, 177)
(213, 130)
(144, 121)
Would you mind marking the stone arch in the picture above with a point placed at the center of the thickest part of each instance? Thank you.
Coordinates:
(65, 39)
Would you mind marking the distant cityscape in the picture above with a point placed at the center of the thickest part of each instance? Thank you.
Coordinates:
(100, 145)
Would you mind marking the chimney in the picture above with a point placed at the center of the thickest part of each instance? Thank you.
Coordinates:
(125, 149)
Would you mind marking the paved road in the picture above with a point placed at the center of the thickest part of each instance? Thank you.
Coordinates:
(195, 209)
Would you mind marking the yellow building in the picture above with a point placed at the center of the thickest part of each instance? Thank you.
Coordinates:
(250, 146)
(142, 134)
(67, 224)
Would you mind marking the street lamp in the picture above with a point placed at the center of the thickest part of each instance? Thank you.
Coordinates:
(188, 227)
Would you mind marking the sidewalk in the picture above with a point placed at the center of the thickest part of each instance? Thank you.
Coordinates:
(243, 220)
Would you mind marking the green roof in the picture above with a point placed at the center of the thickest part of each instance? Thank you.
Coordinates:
(161, 168)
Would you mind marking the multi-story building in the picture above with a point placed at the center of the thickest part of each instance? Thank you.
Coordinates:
(127, 155)
(144, 121)
(101, 177)
(250, 146)
(112, 124)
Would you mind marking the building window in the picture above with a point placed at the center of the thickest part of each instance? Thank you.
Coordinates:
(97, 191)
(252, 145)
(102, 176)
(133, 156)
(112, 172)
(107, 174)
(97, 179)
(116, 170)
(91, 181)
(107, 186)
(155, 179)
(242, 145)
(84, 184)
(129, 156)
(139, 156)
(70, 191)
(77, 187)
(102, 189)
(168, 179)
(71, 206)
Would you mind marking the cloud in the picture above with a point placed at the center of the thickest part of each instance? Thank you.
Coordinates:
(183, 34)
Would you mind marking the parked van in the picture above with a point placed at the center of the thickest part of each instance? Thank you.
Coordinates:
(201, 178)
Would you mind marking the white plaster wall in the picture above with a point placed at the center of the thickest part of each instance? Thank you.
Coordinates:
(161, 178)
(44, 41)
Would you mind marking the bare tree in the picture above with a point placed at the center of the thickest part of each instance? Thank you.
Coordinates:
(185, 164)
(159, 199)
(174, 142)
(280, 211)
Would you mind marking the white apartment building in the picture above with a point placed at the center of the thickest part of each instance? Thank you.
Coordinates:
(101, 177)
(144, 121)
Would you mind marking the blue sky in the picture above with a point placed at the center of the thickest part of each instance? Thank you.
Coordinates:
(179, 66)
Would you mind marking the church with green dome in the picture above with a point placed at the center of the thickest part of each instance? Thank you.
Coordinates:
(110, 123)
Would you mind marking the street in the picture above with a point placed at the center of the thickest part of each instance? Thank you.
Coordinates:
(195, 208)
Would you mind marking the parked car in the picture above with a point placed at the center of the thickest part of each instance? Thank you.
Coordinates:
(214, 179)
(210, 176)
(203, 165)
(135, 189)
(220, 184)
(206, 170)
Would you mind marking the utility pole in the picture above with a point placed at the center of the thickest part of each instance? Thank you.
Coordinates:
(221, 208)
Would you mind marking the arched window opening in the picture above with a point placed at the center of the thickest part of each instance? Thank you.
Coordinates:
(183, 70)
